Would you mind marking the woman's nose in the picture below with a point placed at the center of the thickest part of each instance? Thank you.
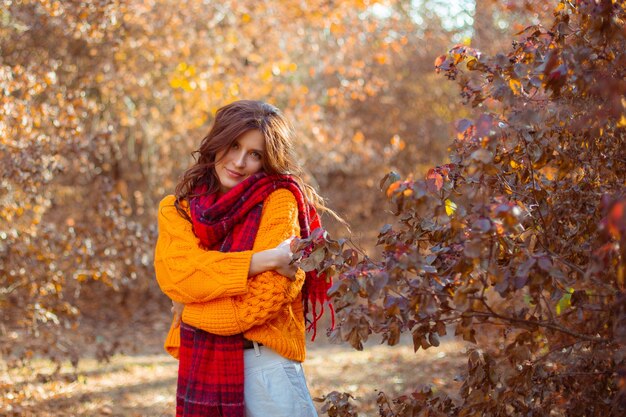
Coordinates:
(240, 160)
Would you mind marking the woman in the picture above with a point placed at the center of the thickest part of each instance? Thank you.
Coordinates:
(223, 253)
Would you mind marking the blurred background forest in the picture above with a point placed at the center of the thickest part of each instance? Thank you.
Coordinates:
(102, 103)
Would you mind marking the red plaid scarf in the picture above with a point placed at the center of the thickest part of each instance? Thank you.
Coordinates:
(210, 373)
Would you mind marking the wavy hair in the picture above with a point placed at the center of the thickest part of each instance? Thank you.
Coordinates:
(232, 121)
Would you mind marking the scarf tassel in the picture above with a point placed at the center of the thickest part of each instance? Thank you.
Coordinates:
(317, 315)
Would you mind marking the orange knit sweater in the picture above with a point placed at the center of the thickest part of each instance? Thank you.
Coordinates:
(214, 286)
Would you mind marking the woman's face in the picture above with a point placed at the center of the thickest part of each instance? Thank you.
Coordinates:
(244, 158)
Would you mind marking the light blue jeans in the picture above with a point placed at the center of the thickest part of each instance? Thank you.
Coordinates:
(274, 386)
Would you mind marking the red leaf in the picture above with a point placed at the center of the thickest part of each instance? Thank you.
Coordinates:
(435, 178)
(440, 60)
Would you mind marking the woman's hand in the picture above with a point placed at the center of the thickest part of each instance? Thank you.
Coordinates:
(283, 256)
(277, 259)
(177, 310)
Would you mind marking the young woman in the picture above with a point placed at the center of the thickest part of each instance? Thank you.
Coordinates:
(223, 257)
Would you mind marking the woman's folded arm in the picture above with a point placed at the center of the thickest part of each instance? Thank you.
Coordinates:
(268, 293)
(189, 274)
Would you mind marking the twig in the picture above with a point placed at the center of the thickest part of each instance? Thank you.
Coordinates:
(547, 325)
(548, 307)
(556, 349)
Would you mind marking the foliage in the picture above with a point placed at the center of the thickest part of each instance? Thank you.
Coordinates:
(518, 244)
(337, 404)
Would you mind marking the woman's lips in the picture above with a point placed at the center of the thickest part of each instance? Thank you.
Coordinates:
(234, 174)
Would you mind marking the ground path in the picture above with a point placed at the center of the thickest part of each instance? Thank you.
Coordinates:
(144, 385)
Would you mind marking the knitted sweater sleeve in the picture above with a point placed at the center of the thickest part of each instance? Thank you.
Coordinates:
(189, 274)
(269, 292)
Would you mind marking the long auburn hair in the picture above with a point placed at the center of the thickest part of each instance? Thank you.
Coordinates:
(232, 121)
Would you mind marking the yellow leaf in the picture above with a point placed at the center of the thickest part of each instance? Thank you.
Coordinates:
(245, 18)
(565, 302)
(515, 86)
(266, 75)
(234, 90)
(187, 86)
(450, 207)
(336, 29)
(175, 82)
(622, 121)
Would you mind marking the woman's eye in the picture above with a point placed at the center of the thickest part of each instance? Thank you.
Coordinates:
(256, 155)
(235, 145)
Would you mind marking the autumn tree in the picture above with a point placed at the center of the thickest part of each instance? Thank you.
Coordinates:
(516, 245)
